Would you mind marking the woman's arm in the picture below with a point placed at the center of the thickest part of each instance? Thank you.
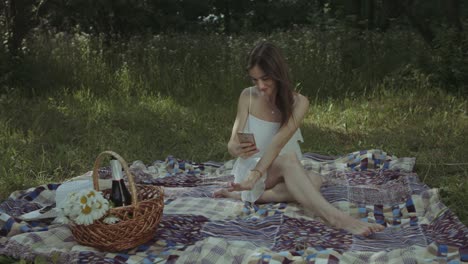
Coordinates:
(284, 134)
(235, 148)
(280, 139)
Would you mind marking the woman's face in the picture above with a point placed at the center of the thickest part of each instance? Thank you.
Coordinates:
(263, 82)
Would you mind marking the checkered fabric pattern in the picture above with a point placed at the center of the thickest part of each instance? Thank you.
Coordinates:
(370, 185)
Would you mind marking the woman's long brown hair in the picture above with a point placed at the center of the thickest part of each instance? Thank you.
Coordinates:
(269, 58)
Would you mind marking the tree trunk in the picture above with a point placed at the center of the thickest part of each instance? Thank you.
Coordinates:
(355, 7)
(452, 13)
(19, 12)
(227, 21)
(390, 9)
(320, 4)
(5, 12)
(226, 11)
(353, 11)
(418, 22)
(370, 14)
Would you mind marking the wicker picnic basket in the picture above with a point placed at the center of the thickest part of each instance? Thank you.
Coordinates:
(139, 221)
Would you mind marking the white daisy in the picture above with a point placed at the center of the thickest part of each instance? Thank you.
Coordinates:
(100, 207)
(84, 200)
(92, 195)
(86, 216)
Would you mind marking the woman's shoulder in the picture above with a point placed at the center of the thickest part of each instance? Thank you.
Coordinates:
(249, 92)
(245, 91)
(300, 100)
(301, 105)
(244, 97)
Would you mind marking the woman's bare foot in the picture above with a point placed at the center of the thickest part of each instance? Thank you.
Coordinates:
(224, 193)
(355, 226)
(241, 186)
(245, 185)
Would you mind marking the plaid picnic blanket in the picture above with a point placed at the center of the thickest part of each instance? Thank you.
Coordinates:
(370, 185)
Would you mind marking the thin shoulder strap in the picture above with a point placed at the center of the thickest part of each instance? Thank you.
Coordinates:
(250, 99)
(248, 111)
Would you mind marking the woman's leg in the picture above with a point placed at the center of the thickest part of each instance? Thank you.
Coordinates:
(273, 192)
(302, 189)
(275, 188)
(278, 194)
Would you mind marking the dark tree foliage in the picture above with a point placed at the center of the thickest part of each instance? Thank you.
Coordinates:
(122, 19)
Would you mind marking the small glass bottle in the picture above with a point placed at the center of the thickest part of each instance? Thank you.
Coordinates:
(120, 195)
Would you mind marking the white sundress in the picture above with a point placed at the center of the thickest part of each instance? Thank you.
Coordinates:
(263, 132)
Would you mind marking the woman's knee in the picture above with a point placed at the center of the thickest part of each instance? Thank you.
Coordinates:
(282, 165)
(288, 160)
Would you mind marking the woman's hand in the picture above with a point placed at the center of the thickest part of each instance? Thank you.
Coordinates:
(247, 184)
(243, 150)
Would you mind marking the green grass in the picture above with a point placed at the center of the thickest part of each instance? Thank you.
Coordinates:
(176, 95)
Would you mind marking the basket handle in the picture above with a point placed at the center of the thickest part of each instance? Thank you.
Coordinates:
(131, 182)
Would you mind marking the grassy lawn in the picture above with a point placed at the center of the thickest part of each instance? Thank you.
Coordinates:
(176, 95)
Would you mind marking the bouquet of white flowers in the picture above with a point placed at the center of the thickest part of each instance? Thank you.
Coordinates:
(84, 207)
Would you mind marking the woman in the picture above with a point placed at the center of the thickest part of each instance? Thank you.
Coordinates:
(270, 170)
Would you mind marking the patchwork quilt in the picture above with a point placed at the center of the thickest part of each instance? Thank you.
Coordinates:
(370, 185)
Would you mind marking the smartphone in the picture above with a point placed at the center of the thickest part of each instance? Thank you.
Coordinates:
(246, 137)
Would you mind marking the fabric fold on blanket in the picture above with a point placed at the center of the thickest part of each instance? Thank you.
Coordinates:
(370, 185)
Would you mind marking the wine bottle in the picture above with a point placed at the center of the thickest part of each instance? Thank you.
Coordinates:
(120, 195)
